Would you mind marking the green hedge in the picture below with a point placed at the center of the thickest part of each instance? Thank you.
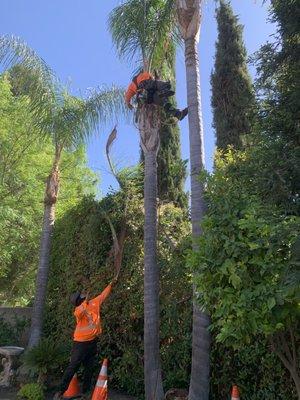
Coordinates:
(81, 243)
(258, 373)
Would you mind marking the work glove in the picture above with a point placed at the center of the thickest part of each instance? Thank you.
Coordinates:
(114, 281)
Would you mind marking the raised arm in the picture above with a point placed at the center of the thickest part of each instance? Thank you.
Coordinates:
(102, 297)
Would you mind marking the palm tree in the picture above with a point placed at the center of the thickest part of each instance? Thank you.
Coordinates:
(71, 123)
(189, 19)
(68, 121)
(149, 124)
(132, 25)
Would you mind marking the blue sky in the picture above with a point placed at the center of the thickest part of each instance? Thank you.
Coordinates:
(72, 37)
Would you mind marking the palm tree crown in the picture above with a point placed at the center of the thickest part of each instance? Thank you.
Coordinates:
(57, 113)
(132, 27)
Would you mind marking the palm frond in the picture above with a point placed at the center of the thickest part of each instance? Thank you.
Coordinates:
(105, 105)
(166, 33)
(68, 119)
(139, 27)
(78, 119)
(14, 51)
(31, 77)
(126, 25)
(112, 137)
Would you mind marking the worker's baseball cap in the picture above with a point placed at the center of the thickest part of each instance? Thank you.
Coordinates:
(75, 298)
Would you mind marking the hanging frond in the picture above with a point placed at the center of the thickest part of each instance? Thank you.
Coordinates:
(112, 137)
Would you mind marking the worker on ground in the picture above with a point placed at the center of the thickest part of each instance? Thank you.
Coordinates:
(88, 328)
(157, 92)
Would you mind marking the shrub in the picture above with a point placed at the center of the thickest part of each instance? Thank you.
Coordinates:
(10, 334)
(7, 333)
(31, 391)
(253, 368)
(45, 358)
(243, 271)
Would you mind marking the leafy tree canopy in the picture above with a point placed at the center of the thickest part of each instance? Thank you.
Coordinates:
(25, 159)
(245, 253)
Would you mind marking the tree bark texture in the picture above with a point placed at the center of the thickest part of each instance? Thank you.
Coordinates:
(51, 193)
(189, 18)
(284, 345)
(199, 384)
(149, 132)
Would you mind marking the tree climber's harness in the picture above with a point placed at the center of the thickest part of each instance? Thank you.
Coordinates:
(147, 90)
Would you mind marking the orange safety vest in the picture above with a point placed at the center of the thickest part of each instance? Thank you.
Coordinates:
(133, 87)
(88, 321)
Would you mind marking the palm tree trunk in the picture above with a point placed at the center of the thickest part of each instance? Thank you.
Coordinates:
(45, 247)
(189, 19)
(149, 131)
(199, 384)
(153, 380)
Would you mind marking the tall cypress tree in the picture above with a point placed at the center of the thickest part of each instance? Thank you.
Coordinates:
(280, 64)
(171, 169)
(232, 92)
(279, 90)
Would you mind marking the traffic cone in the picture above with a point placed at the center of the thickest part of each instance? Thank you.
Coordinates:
(73, 390)
(235, 394)
(100, 392)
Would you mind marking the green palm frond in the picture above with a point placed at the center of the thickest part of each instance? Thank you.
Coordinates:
(79, 118)
(104, 105)
(164, 43)
(14, 51)
(32, 76)
(140, 28)
(127, 29)
(69, 120)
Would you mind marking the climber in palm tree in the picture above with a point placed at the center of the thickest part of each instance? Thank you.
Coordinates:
(151, 90)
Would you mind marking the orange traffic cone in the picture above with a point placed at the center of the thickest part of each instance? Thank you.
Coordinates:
(73, 390)
(235, 394)
(100, 392)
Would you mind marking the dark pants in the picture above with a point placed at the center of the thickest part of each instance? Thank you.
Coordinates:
(83, 353)
(158, 92)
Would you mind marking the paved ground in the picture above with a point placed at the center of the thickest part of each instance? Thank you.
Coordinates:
(112, 396)
(117, 396)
